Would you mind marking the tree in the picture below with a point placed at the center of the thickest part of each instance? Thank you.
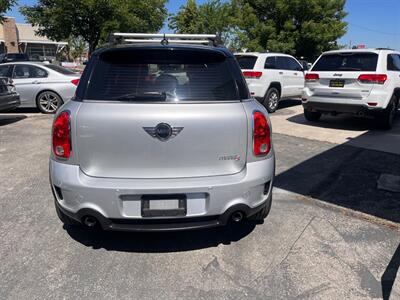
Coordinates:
(297, 27)
(94, 20)
(5, 5)
(212, 17)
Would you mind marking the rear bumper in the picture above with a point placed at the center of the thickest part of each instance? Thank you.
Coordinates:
(116, 203)
(9, 102)
(171, 224)
(358, 109)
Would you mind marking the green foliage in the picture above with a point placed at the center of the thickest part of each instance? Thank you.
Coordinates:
(94, 20)
(5, 5)
(297, 27)
(76, 47)
(213, 17)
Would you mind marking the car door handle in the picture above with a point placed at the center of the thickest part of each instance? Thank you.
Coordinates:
(295, 73)
(35, 82)
(280, 73)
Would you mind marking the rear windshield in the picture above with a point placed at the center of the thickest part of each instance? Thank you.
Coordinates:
(61, 70)
(350, 61)
(162, 75)
(246, 62)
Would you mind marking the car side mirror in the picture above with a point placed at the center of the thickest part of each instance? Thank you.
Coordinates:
(85, 63)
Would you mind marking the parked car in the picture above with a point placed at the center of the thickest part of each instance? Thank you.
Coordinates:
(9, 98)
(363, 82)
(136, 152)
(13, 57)
(44, 86)
(272, 77)
(305, 64)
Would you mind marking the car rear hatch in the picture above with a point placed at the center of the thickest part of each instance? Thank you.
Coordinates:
(339, 75)
(139, 121)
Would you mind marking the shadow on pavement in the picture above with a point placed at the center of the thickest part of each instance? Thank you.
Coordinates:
(160, 242)
(9, 119)
(389, 276)
(288, 103)
(25, 110)
(348, 176)
(342, 122)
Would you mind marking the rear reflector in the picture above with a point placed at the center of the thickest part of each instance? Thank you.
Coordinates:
(252, 74)
(372, 103)
(75, 81)
(62, 135)
(373, 78)
(261, 134)
(311, 77)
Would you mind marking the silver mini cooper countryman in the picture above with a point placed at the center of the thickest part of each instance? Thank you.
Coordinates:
(162, 134)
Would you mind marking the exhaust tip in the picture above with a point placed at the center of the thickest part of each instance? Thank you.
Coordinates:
(90, 222)
(237, 216)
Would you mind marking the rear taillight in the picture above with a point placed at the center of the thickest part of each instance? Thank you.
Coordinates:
(261, 134)
(373, 78)
(62, 135)
(311, 77)
(75, 81)
(252, 74)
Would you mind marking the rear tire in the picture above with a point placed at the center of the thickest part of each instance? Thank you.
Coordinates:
(271, 100)
(264, 212)
(312, 116)
(48, 102)
(386, 118)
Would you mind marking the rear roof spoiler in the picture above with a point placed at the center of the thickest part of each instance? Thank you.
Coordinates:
(117, 38)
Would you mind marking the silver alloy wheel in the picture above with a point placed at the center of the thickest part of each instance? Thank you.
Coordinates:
(273, 100)
(49, 102)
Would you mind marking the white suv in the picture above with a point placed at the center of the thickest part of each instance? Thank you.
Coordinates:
(271, 77)
(365, 82)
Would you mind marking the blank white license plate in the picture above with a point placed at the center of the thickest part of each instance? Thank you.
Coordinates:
(164, 204)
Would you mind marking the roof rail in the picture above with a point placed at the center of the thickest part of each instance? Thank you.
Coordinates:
(163, 38)
(384, 48)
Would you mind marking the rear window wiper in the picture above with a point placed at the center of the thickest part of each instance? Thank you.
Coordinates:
(148, 96)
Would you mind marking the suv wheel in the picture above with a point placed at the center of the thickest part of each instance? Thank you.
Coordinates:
(48, 102)
(312, 116)
(385, 120)
(271, 100)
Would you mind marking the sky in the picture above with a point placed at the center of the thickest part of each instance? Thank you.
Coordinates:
(374, 23)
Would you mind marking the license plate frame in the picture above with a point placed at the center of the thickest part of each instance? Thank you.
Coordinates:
(337, 83)
(147, 211)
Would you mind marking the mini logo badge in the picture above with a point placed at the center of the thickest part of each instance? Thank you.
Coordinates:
(163, 131)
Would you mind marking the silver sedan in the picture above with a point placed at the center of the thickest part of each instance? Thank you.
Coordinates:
(40, 85)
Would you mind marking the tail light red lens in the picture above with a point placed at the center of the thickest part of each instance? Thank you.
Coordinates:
(373, 78)
(75, 81)
(261, 134)
(252, 74)
(62, 135)
(311, 77)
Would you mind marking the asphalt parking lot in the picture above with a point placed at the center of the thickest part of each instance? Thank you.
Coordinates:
(333, 232)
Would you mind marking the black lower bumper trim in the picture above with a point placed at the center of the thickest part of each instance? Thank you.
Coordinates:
(165, 224)
(340, 108)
